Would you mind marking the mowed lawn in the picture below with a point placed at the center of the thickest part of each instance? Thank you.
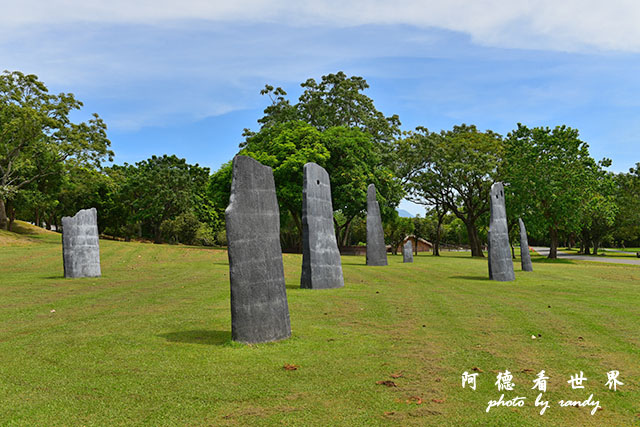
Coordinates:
(149, 342)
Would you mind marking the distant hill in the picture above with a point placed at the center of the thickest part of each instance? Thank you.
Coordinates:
(405, 214)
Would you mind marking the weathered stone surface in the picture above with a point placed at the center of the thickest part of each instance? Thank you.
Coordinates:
(321, 263)
(259, 309)
(376, 249)
(407, 252)
(80, 244)
(525, 256)
(500, 261)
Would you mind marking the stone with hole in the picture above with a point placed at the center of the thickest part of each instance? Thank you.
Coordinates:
(321, 264)
(500, 261)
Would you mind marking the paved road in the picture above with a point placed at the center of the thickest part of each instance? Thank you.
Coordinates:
(545, 252)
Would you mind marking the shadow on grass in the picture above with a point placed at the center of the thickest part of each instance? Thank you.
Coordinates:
(546, 260)
(483, 278)
(354, 263)
(199, 336)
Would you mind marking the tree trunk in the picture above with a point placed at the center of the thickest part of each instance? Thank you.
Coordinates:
(157, 235)
(37, 217)
(12, 215)
(596, 244)
(347, 230)
(298, 223)
(436, 248)
(4, 221)
(553, 250)
(474, 240)
(510, 227)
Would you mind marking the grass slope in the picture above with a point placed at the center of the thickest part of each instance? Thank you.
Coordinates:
(23, 233)
(149, 342)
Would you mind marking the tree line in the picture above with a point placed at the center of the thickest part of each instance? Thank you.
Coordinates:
(51, 167)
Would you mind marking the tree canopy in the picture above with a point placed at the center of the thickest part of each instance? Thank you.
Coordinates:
(550, 177)
(337, 100)
(452, 171)
(38, 138)
(51, 166)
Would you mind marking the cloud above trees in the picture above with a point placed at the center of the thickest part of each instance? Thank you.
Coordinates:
(570, 25)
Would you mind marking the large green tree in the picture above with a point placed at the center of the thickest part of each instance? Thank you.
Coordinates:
(160, 189)
(37, 135)
(627, 192)
(348, 155)
(551, 178)
(355, 133)
(600, 209)
(286, 147)
(336, 100)
(451, 171)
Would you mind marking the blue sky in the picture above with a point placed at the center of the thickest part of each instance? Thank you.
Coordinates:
(184, 78)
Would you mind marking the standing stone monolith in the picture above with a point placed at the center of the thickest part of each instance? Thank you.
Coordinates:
(500, 262)
(259, 309)
(321, 263)
(376, 249)
(80, 244)
(525, 256)
(407, 252)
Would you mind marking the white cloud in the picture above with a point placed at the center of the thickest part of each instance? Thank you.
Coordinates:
(571, 25)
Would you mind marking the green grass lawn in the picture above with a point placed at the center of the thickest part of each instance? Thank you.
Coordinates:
(628, 253)
(149, 342)
(634, 250)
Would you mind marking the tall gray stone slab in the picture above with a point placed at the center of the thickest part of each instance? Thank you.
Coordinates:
(525, 256)
(500, 261)
(376, 249)
(321, 263)
(407, 252)
(80, 244)
(259, 309)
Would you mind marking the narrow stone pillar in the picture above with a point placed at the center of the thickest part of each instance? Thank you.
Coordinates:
(525, 256)
(407, 252)
(80, 244)
(259, 309)
(376, 249)
(500, 261)
(321, 263)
